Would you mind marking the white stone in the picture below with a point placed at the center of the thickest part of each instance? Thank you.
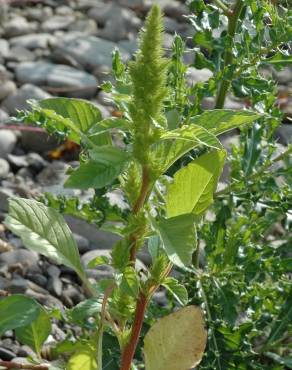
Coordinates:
(33, 41)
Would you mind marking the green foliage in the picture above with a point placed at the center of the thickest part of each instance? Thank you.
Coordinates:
(167, 169)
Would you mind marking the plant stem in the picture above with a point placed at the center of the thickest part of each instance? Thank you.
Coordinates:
(223, 7)
(130, 348)
(228, 58)
(15, 365)
(136, 208)
(266, 166)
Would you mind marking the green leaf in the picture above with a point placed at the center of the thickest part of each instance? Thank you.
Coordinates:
(193, 186)
(44, 230)
(85, 309)
(109, 124)
(36, 333)
(279, 60)
(176, 143)
(194, 133)
(99, 260)
(176, 341)
(84, 358)
(120, 255)
(79, 113)
(17, 311)
(178, 235)
(130, 282)
(286, 361)
(177, 290)
(154, 245)
(218, 121)
(105, 165)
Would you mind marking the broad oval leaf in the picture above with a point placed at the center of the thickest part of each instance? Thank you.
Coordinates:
(193, 186)
(85, 359)
(17, 311)
(218, 121)
(44, 230)
(84, 310)
(81, 113)
(178, 236)
(105, 165)
(177, 341)
(35, 334)
(109, 124)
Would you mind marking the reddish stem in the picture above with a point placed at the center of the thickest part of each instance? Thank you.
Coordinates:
(15, 365)
(129, 351)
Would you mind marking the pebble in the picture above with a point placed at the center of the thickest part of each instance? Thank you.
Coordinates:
(53, 271)
(57, 22)
(20, 54)
(89, 51)
(3, 116)
(33, 41)
(4, 48)
(38, 279)
(58, 76)
(284, 133)
(4, 168)
(18, 100)
(6, 355)
(6, 88)
(86, 26)
(24, 257)
(18, 26)
(55, 286)
(82, 243)
(7, 142)
(99, 272)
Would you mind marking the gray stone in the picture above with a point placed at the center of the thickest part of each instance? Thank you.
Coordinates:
(57, 22)
(194, 75)
(18, 285)
(38, 279)
(284, 133)
(86, 26)
(20, 54)
(55, 286)
(5, 194)
(4, 48)
(3, 116)
(6, 355)
(53, 174)
(284, 75)
(59, 76)
(24, 257)
(4, 168)
(6, 88)
(18, 100)
(38, 14)
(82, 243)
(33, 41)
(7, 142)
(91, 52)
(17, 161)
(53, 271)
(99, 272)
(18, 26)
(98, 239)
(131, 46)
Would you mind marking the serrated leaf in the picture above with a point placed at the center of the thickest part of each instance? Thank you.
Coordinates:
(177, 341)
(84, 359)
(174, 144)
(99, 260)
(105, 165)
(178, 236)
(35, 334)
(85, 309)
(17, 311)
(194, 133)
(81, 113)
(279, 60)
(193, 186)
(109, 124)
(130, 283)
(120, 255)
(177, 290)
(218, 121)
(44, 230)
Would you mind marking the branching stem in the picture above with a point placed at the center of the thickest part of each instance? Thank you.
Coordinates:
(228, 58)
